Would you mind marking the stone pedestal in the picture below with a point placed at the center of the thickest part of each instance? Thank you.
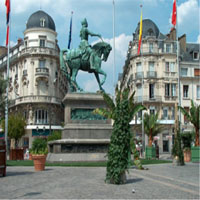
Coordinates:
(86, 135)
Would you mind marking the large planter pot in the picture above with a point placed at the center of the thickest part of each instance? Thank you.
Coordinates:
(39, 162)
(150, 152)
(16, 154)
(122, 178)
(2, 158)
(195, 154)
(187, 155)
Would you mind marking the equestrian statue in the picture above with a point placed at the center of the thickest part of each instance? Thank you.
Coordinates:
(86, 58)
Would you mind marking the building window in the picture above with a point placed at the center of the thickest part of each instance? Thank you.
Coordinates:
(41, 117)
(195, 55)
(165, 113)
(42, 22)
(151, 91)
(184, 71)
(196, 72)
(151, 47)
(26, 142)
(198, 91)
(139, 67)
(185, 91)
(173, 113)
(42, 43)
(173, 88)
(151, 67)
(26, 44)
(42, 63)
(168, 48)
(139, 92)
(152, 110)
(167, 89)
(172, 66)
(167, 66)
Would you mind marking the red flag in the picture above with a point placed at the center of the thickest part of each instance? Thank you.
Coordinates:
(7, 4)
(174, 13)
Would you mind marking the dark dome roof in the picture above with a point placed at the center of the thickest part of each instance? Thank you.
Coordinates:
(35, 19)
(149, 28)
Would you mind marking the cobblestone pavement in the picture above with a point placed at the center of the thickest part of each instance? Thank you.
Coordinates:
(163, 181)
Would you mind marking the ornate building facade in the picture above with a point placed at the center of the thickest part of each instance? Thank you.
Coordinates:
(36, 84)
(154, 75)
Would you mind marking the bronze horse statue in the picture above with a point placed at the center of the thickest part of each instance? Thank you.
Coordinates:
(73, 60)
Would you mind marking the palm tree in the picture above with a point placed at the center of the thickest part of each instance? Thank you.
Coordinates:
(122, 112)
(194, 117)
(151, 126)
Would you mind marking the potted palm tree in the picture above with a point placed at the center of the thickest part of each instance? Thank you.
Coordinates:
(16, 129)
(194, 117)
(39, 153)
(121, 111)
(151, 129)
(186, 138)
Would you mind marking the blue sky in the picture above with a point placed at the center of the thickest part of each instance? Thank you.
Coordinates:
(99, 15)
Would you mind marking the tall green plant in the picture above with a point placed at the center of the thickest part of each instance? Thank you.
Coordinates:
(2, 97)
(16, 127)
(122, 112)
(151, 127)
(194, 117)
(177, 150)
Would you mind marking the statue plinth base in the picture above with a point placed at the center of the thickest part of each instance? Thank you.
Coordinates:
(85, 136)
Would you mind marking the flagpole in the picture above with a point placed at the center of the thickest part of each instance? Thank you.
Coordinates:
(178, 66)
(142, 63)
(7, 88)
(114, 47)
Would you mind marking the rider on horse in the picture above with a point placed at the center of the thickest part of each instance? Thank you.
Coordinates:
(87, 52)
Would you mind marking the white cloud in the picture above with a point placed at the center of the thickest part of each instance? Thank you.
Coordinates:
(188, 11)
(198, 39)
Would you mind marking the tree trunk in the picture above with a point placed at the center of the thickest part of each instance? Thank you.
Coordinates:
(150, 139)
(197, 137)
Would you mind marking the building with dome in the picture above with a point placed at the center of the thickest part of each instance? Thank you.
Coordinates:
(36, 84)
(153, 75)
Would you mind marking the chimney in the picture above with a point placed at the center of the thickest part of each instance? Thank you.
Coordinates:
(3, 50)
(19, 40)
(172, 34)
(182, 41)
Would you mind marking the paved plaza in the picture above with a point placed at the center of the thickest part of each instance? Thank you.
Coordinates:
(163, 181)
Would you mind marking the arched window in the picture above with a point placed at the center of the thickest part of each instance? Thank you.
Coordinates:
(42, 22)
(150, 32)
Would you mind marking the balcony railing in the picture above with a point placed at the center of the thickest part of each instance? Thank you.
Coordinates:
(151, 74)
(36, 99)
(139, 75)
(170, 74)
(42, 71)
(148, 98)
(171, 98)
(39, 50)
(154, 50)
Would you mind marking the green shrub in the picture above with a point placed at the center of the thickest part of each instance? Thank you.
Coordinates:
(39, 146)
(187, 139)
(56, 135)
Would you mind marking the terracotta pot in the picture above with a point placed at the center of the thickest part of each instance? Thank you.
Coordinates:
(39, 162)
(187, 155)
(16, 154)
